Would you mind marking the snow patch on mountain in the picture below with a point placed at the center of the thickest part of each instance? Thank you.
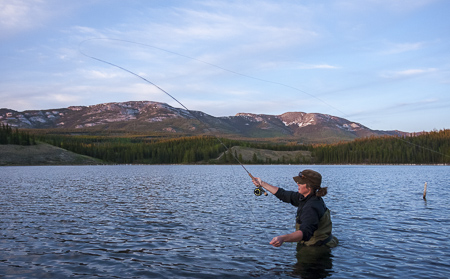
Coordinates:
(155, 115)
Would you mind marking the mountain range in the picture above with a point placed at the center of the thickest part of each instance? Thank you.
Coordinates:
(149, 116)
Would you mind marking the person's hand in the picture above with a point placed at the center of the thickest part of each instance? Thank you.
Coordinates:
(257, 181)
(277, 241)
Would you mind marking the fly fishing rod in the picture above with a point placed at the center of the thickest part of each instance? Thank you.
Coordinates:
(259, 190)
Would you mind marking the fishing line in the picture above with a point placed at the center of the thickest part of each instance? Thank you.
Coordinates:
(260, 190)
(233, 72)
(251, 206)
(218, 67)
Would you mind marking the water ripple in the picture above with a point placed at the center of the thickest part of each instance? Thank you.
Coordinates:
(204, 221)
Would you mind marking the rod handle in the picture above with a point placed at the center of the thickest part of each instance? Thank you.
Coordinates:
(265, 192)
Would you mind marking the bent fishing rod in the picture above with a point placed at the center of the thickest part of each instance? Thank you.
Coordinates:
(230, 71)
(259, 190)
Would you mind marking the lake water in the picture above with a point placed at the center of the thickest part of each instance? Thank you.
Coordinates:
(205, 222)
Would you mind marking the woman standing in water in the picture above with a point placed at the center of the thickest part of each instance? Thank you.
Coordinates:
(313, 220)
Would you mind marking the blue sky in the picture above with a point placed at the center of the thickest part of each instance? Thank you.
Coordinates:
(382, 63)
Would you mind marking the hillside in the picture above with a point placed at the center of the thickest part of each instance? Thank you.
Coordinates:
(427, 148)
(45, 154)
(41, 154)
(147, 116)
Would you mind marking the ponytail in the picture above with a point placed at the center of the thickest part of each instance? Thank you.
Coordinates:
(317, 190)
(322, 191)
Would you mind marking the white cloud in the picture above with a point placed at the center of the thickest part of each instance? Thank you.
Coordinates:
(296, 66)
(94, 74)
(407, 73)
(64, 98)
(88, 31)
(402, 47)
(221, 25)
(20, 15)
(397, 6)
(228, 35)
(402, 5)
(317, 66)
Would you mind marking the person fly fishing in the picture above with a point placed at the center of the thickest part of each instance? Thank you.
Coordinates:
(313, 221)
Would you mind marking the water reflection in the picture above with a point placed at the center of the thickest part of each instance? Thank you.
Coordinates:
(313, 262)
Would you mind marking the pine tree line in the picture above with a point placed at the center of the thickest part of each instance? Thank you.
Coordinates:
(428, 148)
(229, 157)
(184, 150)
(8, 135)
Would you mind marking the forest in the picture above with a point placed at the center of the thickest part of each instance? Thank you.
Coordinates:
(8, 135)
(145, 150)
(424, 148)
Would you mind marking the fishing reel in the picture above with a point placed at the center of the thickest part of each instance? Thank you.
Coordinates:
(259, 191)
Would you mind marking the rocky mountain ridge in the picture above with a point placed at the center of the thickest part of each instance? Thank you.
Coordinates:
(161, 117)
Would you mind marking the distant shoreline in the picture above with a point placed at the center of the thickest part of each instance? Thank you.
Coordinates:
(44, 154)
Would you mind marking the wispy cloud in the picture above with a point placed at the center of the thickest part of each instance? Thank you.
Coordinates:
(205, 53)
(297, 66)
(402, 47)
(237, 30)
(20, 15)
(407, 73)
(96, 74)
(401, 6)
(401, 107)
(317, 66)
(397, 6)
(236, 38)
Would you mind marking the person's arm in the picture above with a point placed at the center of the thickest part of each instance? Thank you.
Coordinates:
(292, 237)
(285, 196)
(258, 182)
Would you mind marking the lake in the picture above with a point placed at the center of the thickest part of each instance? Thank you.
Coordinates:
(205, 222)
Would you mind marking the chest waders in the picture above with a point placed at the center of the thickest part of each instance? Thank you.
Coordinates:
(322, 236)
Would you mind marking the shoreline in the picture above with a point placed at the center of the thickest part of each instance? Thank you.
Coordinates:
(43, 154)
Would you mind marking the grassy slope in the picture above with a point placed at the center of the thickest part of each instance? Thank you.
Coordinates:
(263, 154)
(41, 154)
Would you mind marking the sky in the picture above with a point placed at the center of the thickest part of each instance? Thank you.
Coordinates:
(382, 63)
